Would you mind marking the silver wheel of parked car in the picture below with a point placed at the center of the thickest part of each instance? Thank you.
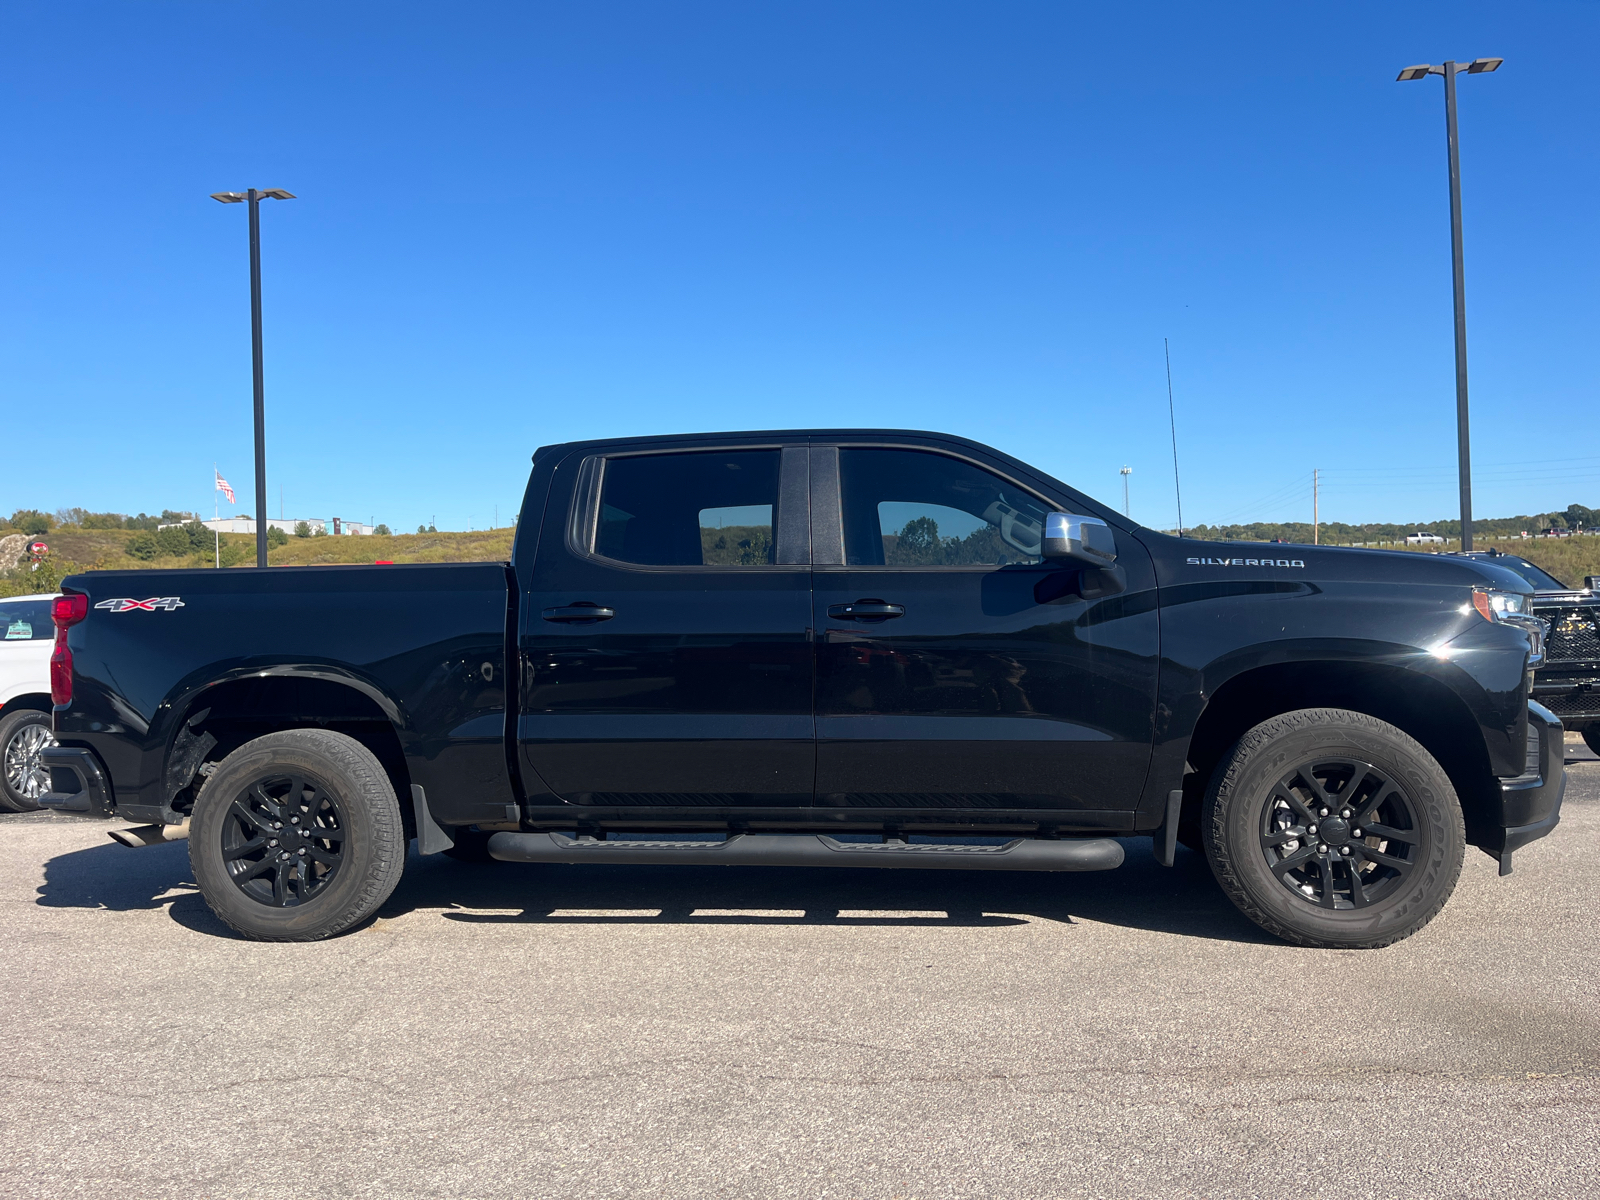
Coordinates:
(22, 735)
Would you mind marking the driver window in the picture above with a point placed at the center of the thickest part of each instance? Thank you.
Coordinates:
(913, 508)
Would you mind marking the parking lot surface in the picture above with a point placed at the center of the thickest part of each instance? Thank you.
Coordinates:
(554, 1031)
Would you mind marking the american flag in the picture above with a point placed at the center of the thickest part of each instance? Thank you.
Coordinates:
(223, 485)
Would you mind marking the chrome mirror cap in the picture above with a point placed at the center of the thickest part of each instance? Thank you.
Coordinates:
(1085, 540)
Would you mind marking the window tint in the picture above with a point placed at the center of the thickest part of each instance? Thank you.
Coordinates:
(693, 509)
(27, 620)
(915, 509)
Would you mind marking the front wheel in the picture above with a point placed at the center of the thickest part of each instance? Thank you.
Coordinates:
(297, 836)
(1334, 829)
(1591, 737)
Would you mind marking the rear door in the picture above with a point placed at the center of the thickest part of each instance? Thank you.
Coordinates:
(666, 643)
(955, 669)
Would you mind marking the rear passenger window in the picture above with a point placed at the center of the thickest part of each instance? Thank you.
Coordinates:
(911, 508)
(699, 509)
(26, 621)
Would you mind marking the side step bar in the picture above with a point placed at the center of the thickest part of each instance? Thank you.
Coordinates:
(812, 850)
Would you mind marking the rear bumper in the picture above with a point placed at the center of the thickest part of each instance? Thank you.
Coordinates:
(1530, 804)
(78, 783)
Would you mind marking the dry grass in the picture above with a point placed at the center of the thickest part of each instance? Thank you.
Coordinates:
(73, 550)
(1569, 559)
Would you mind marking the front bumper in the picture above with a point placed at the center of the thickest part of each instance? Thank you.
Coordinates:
(1530, 804)
(78, 783)
(1574, 697)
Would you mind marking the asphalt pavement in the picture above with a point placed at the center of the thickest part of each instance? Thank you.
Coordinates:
(663, 1032)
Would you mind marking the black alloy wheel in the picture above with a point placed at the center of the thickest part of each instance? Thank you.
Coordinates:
(283, 840)
(1332, 828)
(297, 836)
(1339, 833)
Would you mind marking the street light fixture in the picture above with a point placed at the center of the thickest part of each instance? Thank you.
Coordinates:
(1450, 70)
(253, 198)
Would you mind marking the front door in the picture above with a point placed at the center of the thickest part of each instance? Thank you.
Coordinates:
(955, 669)
(666, 648)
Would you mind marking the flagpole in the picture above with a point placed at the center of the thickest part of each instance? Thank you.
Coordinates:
(216, 516)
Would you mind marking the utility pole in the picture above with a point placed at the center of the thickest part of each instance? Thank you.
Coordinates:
(1449, 70)
(1316, 515)
(1126, 471)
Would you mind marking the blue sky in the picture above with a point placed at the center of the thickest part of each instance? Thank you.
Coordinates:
(520, 224)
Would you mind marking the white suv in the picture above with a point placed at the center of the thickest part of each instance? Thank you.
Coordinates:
(26, 638)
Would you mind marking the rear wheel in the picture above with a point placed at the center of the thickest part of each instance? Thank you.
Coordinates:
(297, 836)
(1591, 737)
(1334, 829)
(23, 779)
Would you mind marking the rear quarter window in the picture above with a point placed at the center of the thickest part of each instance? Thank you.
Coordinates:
(26, 621)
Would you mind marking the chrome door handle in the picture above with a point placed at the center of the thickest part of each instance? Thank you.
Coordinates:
(866, 610)
(582, 613)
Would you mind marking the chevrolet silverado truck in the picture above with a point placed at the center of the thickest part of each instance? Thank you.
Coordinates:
(845, 649)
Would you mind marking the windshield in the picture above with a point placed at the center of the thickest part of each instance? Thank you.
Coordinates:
(1542, 582)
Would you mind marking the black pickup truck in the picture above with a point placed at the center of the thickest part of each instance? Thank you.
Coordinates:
(847, 649)
(1568, 682)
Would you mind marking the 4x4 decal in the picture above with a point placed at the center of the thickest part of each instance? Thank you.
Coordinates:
(167, 602)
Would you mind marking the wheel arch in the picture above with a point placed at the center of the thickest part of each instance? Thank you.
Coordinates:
(33, 700)
(212, 720)
(1421, 705)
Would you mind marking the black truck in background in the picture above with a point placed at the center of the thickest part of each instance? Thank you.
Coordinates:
(850, 649)
(1568, 681)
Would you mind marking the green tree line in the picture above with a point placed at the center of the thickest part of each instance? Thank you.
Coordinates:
(1575, 517)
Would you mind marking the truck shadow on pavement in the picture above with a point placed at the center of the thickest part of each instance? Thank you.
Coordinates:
(1183, 900)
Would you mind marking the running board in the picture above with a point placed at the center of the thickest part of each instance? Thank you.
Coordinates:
(812, 850)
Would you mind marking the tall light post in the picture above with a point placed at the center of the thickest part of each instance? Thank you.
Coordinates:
(1450, 70)
(1126, 471)
(253, 198)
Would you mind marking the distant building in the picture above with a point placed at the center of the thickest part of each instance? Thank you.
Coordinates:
(337, 525)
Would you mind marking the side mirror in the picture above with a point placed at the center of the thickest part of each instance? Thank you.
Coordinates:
(1087, 541)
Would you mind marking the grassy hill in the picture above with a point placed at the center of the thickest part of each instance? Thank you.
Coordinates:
(73, 549)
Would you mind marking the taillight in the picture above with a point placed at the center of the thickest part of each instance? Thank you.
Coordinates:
(65, 612)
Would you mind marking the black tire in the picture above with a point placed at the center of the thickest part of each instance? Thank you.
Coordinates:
(21, 780)
(1333, 888)
(471, 845)
(266, 878)
(1591, 737)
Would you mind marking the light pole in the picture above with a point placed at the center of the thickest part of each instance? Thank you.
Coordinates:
(1463, 448)
(253, 198)
(1126, 471)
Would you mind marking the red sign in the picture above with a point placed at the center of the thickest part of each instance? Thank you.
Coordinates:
(38, 549)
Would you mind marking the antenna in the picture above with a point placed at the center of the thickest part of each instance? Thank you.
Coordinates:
(1173, 417)
(1126, 471)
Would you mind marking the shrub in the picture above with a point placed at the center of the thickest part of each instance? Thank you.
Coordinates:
(143, 546)
(276, 537)
(382, 531)
(301, 529)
